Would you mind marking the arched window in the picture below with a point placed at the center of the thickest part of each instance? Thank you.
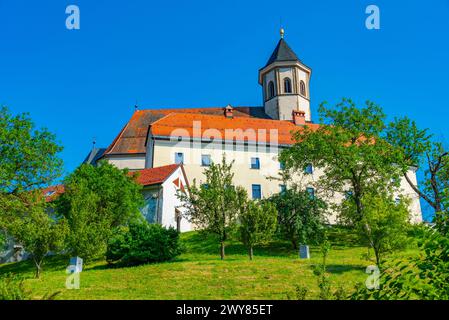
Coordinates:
(270, 90)
(302, 88)
(287, 85)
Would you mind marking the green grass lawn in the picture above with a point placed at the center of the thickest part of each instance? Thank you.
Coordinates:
(200, 274)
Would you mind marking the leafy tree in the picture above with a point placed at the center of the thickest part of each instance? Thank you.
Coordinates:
(34, 227)
(351, 150)
(29, 157)
(419, 149)
(29, 160)
(213, 206)
(97, 199)
(300, 216)
(3, 239)
(384, 224)
(257, 223)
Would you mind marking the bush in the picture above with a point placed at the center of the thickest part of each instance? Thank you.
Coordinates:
(143, 243)
(12, 288)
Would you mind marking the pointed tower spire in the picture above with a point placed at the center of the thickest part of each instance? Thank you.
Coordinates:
(285, 83)
(282, 52)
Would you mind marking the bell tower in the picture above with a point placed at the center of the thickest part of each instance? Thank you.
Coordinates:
(285, 83)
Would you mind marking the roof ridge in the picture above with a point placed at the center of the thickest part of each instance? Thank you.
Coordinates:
(157, 170)
(219, 116)
(114, 142)
(196, 108)
(158, 120)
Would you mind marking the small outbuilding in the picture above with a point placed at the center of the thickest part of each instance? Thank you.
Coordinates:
(160, 188)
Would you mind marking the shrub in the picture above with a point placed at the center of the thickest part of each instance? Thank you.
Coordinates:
(301, 217)
(143, 243)
(301, 292)
(12, 288)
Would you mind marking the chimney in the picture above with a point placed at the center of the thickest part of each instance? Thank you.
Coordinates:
(299, 117)
(229, 111)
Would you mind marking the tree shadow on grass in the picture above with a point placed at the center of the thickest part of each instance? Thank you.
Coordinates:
(201, 243)
(342, 268)
(343, 236)
(52, 263)
(121, 265)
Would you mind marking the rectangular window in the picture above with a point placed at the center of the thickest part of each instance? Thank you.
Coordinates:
(257, 191)
(205, 160)
(282, 188)
(149, 209)
(311, 192)
(255, 163)
(179, 157)
(308, 169)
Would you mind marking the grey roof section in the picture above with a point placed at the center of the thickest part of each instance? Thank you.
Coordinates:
(282, 52)
(256, 112)
(94, 155)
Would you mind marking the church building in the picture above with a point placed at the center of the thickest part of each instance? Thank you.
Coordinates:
(251, 136)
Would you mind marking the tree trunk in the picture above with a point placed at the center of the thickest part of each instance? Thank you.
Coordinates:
(38, 265)
(377, 253)
(222, 250)
(250, 252)
(294, 244)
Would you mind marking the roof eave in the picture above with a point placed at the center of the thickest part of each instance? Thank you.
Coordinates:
(286, 63)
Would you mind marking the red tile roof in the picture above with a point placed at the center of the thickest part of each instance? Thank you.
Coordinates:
(145, 177)
(153, 176)
(219, 127)
(131, 139)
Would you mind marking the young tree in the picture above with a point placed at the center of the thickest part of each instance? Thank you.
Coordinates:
(97, 199)
(384, 224)
(214, 206)
(418, 149)
(417, 277)
(257, 222)
(33, 226)
(300, 216)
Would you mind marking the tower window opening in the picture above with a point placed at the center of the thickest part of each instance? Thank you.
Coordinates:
(270, 90)
(287, 85)
(302, 88)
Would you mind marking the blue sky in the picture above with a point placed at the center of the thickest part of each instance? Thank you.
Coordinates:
(84, 83)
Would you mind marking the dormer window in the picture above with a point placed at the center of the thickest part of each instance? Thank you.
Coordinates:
(270, 89)
(287, 85)
(50, 193)
(302, 88)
